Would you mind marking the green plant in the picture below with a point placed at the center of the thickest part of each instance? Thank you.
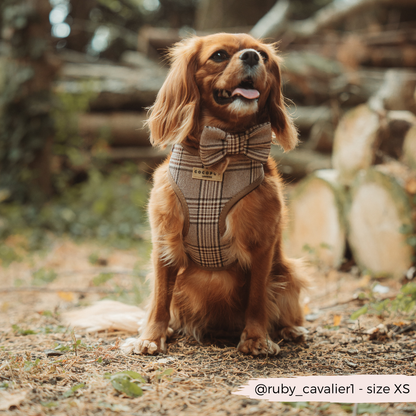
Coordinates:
(30, 365)
(362, 408)
(93, 258)
(49, 405)
(43, 276)
(74, 346)
(73, 389)
(314, 253)
(164, 374)
(297, 405)
(101, 279)
(8, 255)
(18, 330)
(52, 329)
(127, 382)
(404, 304)
(4, 385)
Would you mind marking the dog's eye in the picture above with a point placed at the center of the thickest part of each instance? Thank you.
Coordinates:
(219, 56)
(264, 56)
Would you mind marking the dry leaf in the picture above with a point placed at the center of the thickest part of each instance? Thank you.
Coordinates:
(66, 296)
(337, 320)
(306, 309)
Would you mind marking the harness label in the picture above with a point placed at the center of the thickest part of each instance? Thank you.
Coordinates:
(206, 175)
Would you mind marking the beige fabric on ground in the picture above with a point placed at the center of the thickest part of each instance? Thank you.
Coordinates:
(106, 315)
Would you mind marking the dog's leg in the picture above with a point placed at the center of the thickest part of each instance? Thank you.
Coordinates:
(291, 276)
(156, 331)
(254, 339)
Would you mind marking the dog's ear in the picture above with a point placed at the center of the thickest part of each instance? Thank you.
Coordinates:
(283, 128)
(175, 113)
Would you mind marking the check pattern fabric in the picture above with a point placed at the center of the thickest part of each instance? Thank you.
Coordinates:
(216, 144)
(207, 203)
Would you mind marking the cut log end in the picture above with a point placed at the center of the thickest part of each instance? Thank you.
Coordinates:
(379, 211)
(353, 143)
(317, 227)
(364, 137)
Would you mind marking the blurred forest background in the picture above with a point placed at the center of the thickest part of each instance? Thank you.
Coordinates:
(76, 77)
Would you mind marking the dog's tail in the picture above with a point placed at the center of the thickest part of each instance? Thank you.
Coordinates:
(106, 315)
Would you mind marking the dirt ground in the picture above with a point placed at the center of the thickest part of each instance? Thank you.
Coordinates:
(46, 369)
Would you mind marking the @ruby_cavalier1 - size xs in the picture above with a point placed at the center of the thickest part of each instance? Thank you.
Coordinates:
(216, 208)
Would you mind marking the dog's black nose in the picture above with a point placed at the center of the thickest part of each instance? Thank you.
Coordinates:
(250, 58)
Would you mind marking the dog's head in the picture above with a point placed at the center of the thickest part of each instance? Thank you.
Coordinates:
(227, 81)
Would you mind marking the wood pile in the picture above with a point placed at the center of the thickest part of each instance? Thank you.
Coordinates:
(368, 200)
(326, 72)
(122, 93)
(117, 110)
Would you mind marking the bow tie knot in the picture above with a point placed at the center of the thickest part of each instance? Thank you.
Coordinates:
(236, 144)
(216, 144)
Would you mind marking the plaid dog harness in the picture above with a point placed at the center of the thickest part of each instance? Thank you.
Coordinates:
(207, 197)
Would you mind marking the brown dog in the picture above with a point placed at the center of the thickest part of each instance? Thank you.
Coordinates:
(222, 92)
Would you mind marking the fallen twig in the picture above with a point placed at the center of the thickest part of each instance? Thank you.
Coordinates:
(406, 328)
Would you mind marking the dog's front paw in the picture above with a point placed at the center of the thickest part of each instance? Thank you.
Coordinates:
(144, 345)
(257, 345)
(294, 333)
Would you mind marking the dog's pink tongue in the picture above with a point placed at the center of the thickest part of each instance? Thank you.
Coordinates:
(249, 94)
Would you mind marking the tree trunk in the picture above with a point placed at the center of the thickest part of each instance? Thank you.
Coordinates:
(79, 37)
(381, 219)
(316, 215)
(26, 128)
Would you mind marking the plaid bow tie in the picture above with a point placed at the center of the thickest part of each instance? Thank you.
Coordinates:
(215, 144)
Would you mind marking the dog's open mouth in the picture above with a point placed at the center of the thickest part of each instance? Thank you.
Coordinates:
(245, 90)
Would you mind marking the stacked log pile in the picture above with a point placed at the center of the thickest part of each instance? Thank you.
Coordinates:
(325, 72)
(368, 199)
(117, 112)
(122, 92)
